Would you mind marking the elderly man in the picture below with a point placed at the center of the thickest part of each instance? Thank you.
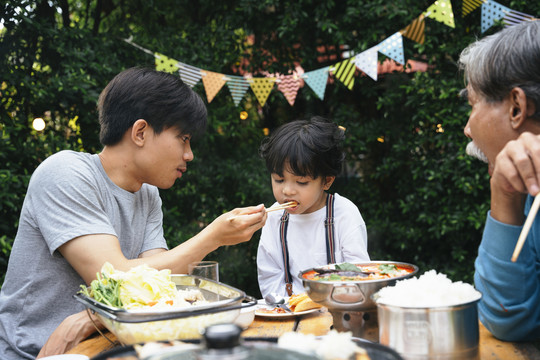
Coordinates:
(503, 87)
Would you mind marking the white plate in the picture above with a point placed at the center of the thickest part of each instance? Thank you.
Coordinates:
(263, 305)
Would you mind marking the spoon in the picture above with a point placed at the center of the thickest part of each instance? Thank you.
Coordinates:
(276, 301)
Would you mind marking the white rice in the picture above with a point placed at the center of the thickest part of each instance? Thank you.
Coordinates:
(427, 291)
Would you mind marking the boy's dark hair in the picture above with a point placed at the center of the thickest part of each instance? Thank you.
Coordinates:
(162, 99)
(305, 148)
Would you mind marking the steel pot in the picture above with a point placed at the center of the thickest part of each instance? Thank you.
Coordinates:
(440, 333)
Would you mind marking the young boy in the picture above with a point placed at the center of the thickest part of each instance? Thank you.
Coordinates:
(304, 157)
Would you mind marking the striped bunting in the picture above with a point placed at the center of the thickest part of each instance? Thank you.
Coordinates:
(189, 74)
(416, 30)
(344, 72)
(515, 17)
(289, 85)
(470, 5)
(238, 86)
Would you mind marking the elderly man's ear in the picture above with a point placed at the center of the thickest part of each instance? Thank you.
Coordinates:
(521, 108)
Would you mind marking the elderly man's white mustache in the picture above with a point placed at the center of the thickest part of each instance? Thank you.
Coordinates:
(474, 151)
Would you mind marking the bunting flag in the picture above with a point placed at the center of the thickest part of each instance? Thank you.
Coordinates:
(492, 12)
(213, 82)
(262, 87)
(367, 62)
(514, 17)
(289, 85)
(163, 63)
(344, 72)
(470, 5)
(238, 87)
(416, 30)
(393, 48)
(441, 10)
(189, 74)
(317, 80)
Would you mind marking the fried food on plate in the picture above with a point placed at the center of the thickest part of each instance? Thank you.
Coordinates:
(302, 302)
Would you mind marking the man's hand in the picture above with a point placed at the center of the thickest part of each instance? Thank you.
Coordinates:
(69, 333)
(516, 173)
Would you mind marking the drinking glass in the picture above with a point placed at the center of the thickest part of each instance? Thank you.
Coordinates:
(206, 269)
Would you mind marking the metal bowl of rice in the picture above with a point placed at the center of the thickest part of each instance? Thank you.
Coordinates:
(429, 317)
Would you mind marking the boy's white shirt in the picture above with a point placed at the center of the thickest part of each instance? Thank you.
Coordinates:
(306, 239)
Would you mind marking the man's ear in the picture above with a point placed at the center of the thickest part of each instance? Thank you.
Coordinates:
(520, 108)
(139, 132)
(328, 181)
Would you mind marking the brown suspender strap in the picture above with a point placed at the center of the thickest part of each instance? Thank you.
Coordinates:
(330, 246)
(329, 224)
(285, 251)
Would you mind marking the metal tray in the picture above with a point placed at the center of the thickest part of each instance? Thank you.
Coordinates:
(135, 326)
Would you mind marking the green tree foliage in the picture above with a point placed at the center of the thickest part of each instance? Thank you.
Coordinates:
(424, 201)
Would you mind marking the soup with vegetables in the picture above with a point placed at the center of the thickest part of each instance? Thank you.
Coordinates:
(352, 272)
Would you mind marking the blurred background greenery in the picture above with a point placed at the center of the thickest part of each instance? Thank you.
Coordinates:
(424, 201)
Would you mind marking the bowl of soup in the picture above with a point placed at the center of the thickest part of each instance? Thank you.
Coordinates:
(349, 287)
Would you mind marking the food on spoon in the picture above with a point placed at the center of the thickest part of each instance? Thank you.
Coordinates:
(302, 302)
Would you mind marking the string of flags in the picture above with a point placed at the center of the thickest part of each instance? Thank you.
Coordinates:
(345, 70)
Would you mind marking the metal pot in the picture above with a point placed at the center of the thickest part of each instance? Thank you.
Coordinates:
(440, 333)
(350, 302)
(351, 295)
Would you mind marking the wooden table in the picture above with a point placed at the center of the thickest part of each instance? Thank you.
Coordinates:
(319, 323)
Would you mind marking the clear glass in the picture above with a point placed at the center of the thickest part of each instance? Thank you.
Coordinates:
(206, 269)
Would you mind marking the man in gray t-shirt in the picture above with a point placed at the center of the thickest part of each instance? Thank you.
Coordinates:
(82, 210)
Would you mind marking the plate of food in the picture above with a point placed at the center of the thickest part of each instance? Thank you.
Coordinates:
(299, 304)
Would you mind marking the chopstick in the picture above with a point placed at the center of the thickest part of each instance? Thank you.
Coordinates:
(273, 208)
(525, 231)
(282, 206)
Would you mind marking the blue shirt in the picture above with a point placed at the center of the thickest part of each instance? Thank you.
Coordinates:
(510, 305)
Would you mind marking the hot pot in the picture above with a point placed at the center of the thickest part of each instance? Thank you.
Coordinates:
(350, 302)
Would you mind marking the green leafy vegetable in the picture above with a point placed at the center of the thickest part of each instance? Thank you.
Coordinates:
(105, 290)
(388, 269)
(348, 267)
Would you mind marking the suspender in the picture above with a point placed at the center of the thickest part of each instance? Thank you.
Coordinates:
(330, 245)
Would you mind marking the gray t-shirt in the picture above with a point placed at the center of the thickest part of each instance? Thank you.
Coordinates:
(69, 195)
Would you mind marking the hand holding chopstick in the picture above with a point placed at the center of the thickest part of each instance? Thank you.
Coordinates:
(273, 208)
(525, 231)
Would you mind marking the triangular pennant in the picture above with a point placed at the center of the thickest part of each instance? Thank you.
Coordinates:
(492, 12)
(262, 87)
(416, 30)
(289, 85)
(515, 17)
(367, 62)
(163, 63)
(470, 5)
(213, 82)
(317, 80)
(441, 10)
(238, 87)
(189, 74)
(344, 72)
(393, 48)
